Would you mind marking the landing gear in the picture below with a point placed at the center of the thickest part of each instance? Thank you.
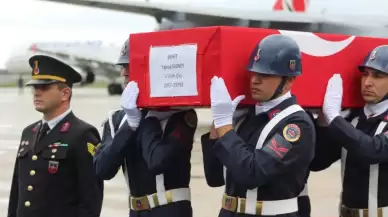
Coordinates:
(115, 89)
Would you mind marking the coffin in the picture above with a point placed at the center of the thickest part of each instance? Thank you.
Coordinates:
(174, 68)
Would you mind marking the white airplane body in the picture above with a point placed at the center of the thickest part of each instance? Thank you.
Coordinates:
(89, 58)
(353, 17)
(357, 17)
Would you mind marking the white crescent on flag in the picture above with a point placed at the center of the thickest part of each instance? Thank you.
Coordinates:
(313, 45)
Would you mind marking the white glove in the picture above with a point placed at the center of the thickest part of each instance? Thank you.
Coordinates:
(128, 103)
(161, 115)
(222, 106)
(333, 98)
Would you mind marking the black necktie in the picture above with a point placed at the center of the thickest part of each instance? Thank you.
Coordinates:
(43, 131)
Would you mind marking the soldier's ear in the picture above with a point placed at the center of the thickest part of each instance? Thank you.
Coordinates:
(66, 93)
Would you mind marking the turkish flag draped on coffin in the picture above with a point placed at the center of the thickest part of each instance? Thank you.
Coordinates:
(174, 68)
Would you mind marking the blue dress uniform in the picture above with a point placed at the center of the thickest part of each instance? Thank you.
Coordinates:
(264, 162)
(157, 160)
(304, 203)
(115, 120)
(54, 174)
(360, 141)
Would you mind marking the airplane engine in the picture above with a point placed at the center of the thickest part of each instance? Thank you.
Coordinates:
(115, 89)
(90, 76)
(87, 74)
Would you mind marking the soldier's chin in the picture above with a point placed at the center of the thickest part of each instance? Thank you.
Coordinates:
(370, 99)
(39, 108)
(258, 97)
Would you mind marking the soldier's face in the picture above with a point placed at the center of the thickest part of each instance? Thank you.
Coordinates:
(263, 86)
(125, 74)
(48, 97)
(374, 85)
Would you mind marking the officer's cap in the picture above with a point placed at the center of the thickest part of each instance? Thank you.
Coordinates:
(48, 70)
(124, 54)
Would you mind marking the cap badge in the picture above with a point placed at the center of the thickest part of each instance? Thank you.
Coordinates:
(292, 64)
(36, 68)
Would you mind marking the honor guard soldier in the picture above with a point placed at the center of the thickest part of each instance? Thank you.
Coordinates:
(54, 174)
(360, 140)
(115, 120)
(155, 149)
(264, 160)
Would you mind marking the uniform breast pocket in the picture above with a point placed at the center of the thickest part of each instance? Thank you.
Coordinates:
(56, 157)
(59, 153)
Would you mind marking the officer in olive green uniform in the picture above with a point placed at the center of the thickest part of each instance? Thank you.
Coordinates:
(54, 175)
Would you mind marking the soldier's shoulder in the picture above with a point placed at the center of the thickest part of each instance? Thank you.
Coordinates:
(83, 125)
(32, 126)
(296, 125)
(115, 115)
(115, 112)
(301, 117)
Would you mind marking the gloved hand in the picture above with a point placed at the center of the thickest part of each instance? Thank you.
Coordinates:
(222, 106)
(128, 103)
(333, 98)
(161, 115)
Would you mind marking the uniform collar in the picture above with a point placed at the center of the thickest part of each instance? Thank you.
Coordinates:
(375, 110)
(266, 106)
(271, 112)
(53, 122)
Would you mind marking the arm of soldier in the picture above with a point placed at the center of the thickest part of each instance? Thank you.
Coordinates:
(371, 149)
(110, 154)
(90, 188)
(14, 194)
(282, 153)
(327, 149)
(213, 167)
(159, 153)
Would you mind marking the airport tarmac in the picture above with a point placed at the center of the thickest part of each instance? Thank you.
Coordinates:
(93, 105)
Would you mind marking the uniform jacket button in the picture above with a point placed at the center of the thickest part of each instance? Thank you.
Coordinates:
(30, 188)
(27, 204)
(32, 172)
(34, 157)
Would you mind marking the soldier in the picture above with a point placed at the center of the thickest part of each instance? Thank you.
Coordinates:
(359, 140)
(110, 126)
(155, 149)
(54, 175)
(263, 162)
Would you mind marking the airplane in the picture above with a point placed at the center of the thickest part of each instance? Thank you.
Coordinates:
(89, 58)
(351, 17)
